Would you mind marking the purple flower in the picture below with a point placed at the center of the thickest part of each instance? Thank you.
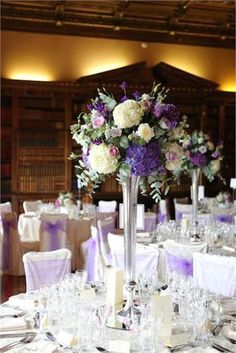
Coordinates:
(124, 98)
(215, 154)
(123, 85)
(85, 160)
(90, 107)
(144, 159)
(137, 95)
(198, 159)
(96, 141)
(167, 111)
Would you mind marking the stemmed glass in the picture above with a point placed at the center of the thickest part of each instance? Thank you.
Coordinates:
(102, 312)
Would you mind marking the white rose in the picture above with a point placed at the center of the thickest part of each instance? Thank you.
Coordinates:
(145, 131)
(202, 149)
(215, 166)
(127, 114)
(174, 156)
(101, 160)
(146, 97)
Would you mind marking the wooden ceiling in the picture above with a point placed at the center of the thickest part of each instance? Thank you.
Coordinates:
(204, 23)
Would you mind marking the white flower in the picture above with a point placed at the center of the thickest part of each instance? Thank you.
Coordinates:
(101, 160)
(215, 166)
(127, 114)
(146, 97)
(200, 140)
(202, 149)
(145, 131)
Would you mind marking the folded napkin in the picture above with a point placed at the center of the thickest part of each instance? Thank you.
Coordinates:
(23, 300)
(66, 338)
(12, 324)
(143, 235)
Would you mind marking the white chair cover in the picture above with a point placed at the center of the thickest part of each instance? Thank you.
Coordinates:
(163, 214)
(146, 257)
(215, 273)
(107, 206)
(181, 209)
(5, 207)
(179, 257)
(11, 246)
(32, 206)
(43, 268)
(224, 215)
(53, 232)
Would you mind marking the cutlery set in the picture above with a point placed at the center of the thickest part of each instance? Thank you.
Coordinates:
(26, 339)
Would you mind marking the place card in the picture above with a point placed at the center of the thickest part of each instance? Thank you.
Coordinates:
(66, 338)
(119, 346)
(185, 224)
(87, 294)
(162, 309)
(114, 286)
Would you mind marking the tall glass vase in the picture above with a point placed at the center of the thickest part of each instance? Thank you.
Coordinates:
(130, 196)
(195, 177)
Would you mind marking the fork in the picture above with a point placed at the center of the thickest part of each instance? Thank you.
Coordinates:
(27, 339)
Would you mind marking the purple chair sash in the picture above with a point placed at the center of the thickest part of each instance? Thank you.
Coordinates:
(178, 216)
(92, 250)
(149, 224)
(7, 224)
(41, 273)
(105, 229)
(53, 229)
(180, 265)
(161, 217)
(224, 218)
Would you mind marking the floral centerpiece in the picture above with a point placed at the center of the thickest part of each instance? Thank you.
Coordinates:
(65, 199)
(128, 136)
(224, 199)
(194, 151)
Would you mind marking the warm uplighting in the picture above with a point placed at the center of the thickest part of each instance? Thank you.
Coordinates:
(228, 87)
(103, 67)
(30, 76)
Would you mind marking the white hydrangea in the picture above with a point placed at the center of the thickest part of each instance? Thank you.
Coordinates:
(101, 160)
(145, 131)
(127, 114)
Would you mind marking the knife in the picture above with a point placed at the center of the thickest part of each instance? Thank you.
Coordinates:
(17, 334)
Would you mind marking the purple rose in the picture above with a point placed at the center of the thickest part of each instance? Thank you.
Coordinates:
(98, 121)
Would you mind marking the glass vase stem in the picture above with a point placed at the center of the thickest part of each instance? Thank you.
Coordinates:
(130, 198)
(195, 176)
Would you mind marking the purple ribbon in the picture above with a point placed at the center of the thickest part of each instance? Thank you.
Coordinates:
(7, 224)
(178, 216)
(224, 218)
(105, 229)
(180, 265)
(53, 229)
(92, 248)
(161, 217)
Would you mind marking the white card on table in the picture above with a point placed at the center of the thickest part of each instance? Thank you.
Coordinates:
(114, 286)
(162, 309)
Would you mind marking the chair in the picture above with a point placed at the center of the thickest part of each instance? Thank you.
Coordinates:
(5, 207)
(215, 273)
(104, 227)
(179, 257)
(31, 206)
(43, 268)
(150, 221)
(224, 215)
(53, 232)
(107, 206)
(163, 214)
(13, 248)
(181, 209)
(146, 257)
